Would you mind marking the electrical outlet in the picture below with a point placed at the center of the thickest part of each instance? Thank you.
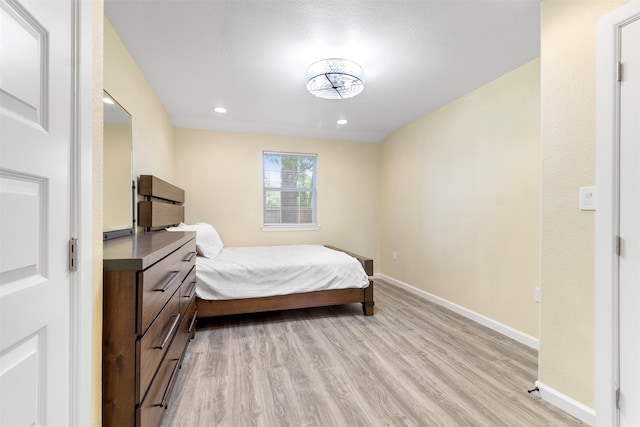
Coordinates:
(394, 255)
(537, 295)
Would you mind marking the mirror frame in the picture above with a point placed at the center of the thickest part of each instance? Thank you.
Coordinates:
(113, 234)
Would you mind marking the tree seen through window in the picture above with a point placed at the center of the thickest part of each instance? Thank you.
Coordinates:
(289, 188)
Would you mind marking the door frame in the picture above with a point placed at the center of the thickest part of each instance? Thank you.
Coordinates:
(81, 218)
(608, 211)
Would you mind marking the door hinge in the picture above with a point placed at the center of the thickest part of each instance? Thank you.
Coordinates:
(618, 245)
(618, 398)
(73, 254)
(619, 71)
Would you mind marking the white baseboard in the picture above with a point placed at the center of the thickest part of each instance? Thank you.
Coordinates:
(567, 404)
(508, 331)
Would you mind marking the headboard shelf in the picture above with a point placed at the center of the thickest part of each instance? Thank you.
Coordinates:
(152, 186)
(156, 214)
(162, 206)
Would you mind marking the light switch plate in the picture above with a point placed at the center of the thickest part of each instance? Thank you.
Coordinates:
(587, 198)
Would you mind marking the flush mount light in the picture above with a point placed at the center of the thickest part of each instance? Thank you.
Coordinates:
(342, 122)
(220, 110)
(335, 78)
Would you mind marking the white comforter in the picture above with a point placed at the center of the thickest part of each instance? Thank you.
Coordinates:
(249, 272)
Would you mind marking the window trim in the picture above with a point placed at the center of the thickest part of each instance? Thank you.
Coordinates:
(311, 226)
(293, 227)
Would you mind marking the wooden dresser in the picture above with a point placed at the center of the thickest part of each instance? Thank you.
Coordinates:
(149, 316)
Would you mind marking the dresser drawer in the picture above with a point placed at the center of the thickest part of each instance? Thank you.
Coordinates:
(152, 408)
(157, 283)
(155, 343)
(186, 332)
(188, 290)
(190, 319)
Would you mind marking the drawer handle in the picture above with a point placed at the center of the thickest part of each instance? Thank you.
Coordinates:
(170, 333)
(192, 288)
(169, 282)
(193, 323)
(167, 391)
(189, 257)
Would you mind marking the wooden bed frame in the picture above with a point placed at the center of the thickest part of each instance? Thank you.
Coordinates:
(162, 207)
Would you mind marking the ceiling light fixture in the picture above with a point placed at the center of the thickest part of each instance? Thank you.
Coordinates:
(335, 78)
(220, 110)
(342, 122)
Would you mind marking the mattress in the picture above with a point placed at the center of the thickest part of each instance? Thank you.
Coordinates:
(262, 271)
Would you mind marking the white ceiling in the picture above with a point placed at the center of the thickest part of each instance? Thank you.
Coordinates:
(251, 56)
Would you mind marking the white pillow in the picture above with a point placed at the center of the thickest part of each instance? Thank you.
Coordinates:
(208, 241)
(179, 227)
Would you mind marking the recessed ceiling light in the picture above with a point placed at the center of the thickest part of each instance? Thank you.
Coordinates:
(220, 110)
(342, 122)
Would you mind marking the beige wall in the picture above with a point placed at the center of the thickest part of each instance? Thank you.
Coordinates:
(222, 175)
(151, 128)
(568, 75)
(460, 190)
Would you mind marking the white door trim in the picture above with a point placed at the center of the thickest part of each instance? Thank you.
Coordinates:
(81, 292)
(607, 213)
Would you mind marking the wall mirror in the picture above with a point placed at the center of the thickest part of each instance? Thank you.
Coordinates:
(118, 181)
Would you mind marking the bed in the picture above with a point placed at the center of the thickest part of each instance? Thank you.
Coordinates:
(300, 283)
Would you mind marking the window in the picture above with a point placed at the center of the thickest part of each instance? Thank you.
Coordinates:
(289, 189)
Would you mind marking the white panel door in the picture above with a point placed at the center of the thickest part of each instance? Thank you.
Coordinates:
(630, 226)
(36, 53)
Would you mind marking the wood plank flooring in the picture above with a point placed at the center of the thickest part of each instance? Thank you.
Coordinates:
(412, 364)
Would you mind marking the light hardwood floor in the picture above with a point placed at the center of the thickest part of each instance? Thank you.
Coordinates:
(412, 364)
